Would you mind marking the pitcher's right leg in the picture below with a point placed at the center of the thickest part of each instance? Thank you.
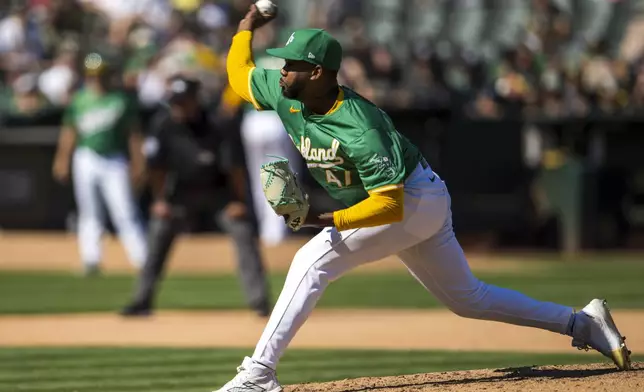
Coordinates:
(325, 258)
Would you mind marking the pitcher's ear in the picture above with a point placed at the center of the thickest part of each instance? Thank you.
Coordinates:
(316, 73)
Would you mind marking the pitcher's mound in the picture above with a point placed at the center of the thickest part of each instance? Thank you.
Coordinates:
(596, 377)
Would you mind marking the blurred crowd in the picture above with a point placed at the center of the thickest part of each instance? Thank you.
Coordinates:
(486, 58)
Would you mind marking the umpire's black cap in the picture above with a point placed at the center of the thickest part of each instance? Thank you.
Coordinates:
(181, 87)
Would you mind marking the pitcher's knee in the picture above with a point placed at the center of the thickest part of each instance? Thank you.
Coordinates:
(465, 311)
(313, 267)
(469, 303)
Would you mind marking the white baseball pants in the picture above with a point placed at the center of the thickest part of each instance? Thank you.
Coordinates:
(263, 134)
(96, 176)
(425, 242)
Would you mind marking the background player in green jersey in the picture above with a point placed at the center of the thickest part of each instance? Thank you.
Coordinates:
(396, 205)
(101, 141)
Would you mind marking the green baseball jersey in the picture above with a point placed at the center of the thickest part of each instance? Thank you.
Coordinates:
(102, 122)
(349, 151)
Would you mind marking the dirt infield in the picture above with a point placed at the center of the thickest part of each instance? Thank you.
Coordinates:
(355, 329)
(352, 329)
(545, 379)
(194, 253)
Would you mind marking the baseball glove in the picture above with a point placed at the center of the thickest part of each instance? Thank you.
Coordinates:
(283, 192)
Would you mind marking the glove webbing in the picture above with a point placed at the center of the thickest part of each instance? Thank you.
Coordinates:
(270, 168)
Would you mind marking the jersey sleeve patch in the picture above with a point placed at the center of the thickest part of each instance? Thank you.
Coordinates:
(379, 160)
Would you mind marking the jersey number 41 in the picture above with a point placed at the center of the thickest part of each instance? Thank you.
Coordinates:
(332, 179)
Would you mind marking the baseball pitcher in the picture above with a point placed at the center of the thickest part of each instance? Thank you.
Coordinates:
(395, 205)
(100, 138)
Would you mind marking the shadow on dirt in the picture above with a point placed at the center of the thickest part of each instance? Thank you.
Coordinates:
(465, 378)
(526, 372)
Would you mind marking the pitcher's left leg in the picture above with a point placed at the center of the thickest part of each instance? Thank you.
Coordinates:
(440, 265)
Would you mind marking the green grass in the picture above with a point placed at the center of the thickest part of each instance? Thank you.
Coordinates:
(572, 284)
(201, 370)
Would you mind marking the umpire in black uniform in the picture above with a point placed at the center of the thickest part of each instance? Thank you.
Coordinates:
(196, 168)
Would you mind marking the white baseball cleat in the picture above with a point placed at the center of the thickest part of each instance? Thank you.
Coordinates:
(594, 328)
(252, 377)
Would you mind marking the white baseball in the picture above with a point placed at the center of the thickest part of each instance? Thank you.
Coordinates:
(266, 7)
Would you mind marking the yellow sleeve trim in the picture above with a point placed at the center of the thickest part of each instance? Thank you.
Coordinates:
(250, 90)
(386, 188)
(239, 65)
(380, 208)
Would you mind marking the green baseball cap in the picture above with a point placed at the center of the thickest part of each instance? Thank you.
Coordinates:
(314, 46)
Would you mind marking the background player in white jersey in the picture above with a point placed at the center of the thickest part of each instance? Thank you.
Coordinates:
(396, 205)
(100, 138)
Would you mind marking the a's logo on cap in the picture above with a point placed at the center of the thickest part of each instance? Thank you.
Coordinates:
(290, 39)
(311, 55)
